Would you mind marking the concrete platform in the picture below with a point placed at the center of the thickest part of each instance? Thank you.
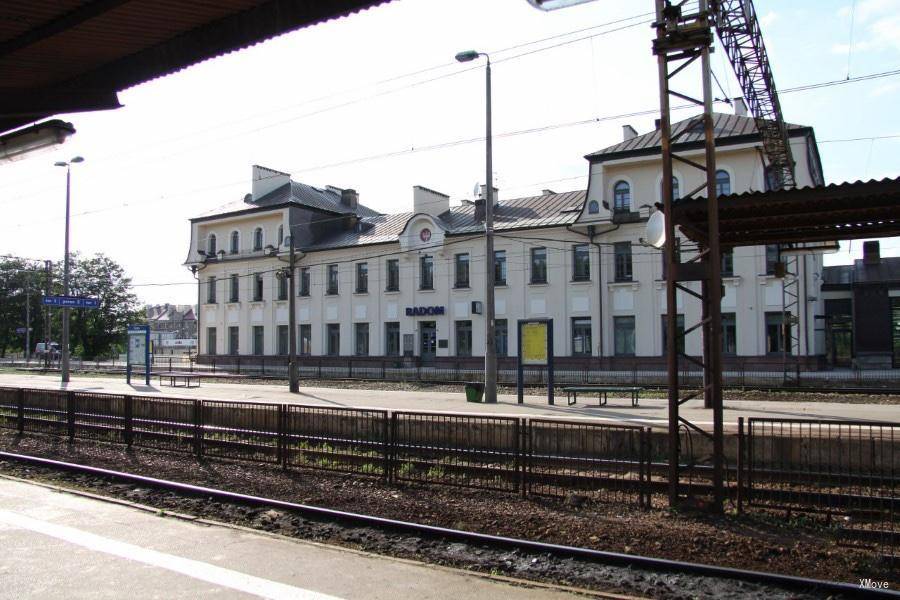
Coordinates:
(57, 545)
(651, 412)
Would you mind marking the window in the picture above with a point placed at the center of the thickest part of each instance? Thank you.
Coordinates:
(283, 281)
(581, 336)
(622, 256)
(392, 339)
(305, 339)
(393, 275)
(621, 197)
(501, 337)
(771, 258)
(729, 333)
(676, 188)
(304, 281)
(728, 263)
(211, 290)
(426, 272)
(623, 334)
(593, 207)
(211, 245)
(464, 338)
(235, 288)
(235, 242)
(258, 238)
(333, 339)
(461, 270)
(234, 334)
(332, 285)
(362, 278)
(679, 339)
(772, 179)
(280, 235)
(775, 333)
(283, 339)
(258, 287)
(581, 262)
(538, 265)
(362, 339)
(258, 340)
(500, 267)
(723, 183)
(210, 340)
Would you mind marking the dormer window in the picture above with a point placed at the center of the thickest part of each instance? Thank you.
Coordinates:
(235, 242)
(258, 238)
(593, 207)
(622, 196)
(211, 245)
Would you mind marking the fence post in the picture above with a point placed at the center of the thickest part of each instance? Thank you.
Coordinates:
(170, 363)
(198, 428)
(282, 433)
(383, 375)
(128, 410)
(743, 374)
(390, 448)
(523, 434)
(263, 360)
(319, 370)
(20, 410)
(70, 413)
(740, 466)
(633, 373)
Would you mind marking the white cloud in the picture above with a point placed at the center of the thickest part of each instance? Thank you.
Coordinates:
(768, 19)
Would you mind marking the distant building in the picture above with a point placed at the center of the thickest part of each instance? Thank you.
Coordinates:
(173, 328)
(411, 284)
(862, 311)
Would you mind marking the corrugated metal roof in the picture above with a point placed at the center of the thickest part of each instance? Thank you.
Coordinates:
(546, 210)
(726, 126)
(299, 193)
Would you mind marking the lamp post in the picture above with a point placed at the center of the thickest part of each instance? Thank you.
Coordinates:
(293, 377)
(64, 366)
(490, 350)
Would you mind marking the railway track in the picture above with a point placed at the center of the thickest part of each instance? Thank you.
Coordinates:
(754, 582)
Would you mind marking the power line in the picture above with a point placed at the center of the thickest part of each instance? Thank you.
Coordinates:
(824, 84)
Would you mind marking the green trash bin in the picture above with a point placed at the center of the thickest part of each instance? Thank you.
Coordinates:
(474, 392)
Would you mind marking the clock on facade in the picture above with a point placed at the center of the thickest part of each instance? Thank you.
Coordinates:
(425, 234)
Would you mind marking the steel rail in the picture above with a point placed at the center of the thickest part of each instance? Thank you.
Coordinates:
(600, 556)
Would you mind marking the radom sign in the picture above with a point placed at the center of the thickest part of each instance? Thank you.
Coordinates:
(421, 311)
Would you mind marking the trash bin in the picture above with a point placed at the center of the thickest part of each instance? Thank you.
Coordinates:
(474, 392)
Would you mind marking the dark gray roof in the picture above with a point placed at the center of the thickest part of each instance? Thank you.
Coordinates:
(726, 126)
(545, 210)
(313, 197)
(886, 272)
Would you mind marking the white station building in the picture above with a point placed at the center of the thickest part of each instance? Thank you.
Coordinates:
(412, 284)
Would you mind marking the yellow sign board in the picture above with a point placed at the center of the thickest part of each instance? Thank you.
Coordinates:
(534, 344)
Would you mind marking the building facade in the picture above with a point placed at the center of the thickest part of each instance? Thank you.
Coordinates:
(411, 284)
(173, 328)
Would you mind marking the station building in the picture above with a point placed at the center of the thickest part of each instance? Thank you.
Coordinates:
(411, 284)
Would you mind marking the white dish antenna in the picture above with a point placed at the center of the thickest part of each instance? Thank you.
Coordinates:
(476, 190)
(655, 232)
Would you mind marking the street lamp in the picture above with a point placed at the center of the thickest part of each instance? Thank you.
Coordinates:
(64, 367)
(490, 350)
(293, 375)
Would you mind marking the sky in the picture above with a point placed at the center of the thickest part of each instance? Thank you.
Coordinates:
(375, 102)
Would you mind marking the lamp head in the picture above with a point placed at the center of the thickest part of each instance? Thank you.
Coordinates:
(467, 56)
(77, 159)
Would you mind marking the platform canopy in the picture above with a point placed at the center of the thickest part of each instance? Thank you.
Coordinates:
(59, 56)
(834, 212)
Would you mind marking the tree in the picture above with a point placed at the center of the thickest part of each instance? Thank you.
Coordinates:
(20, 280)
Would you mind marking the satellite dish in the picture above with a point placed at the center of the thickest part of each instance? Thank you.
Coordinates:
(655, 233)
(476, 190)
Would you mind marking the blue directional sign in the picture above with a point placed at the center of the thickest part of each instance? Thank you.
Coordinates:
(70, 301)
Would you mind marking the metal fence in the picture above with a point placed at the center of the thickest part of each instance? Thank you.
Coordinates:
(604, 462)
(846, 471)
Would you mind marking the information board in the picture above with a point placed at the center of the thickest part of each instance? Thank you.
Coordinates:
(138, 351)
(534, 343)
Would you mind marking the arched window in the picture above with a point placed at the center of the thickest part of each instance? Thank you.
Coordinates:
(235, 242)
(257, 238)
(723, 183)
(593, 207)
(622, 196)
(280, 234)
(676, 188)
(211, 245)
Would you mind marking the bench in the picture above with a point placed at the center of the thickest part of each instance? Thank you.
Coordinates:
(602, 392)
(174, 376)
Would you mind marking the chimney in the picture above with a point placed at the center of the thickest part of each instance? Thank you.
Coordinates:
(656, 123)
(350, 198)
(266, 180)
(628, 132)
(740, 107)
(479, 210)
(429, 201)
(871, 252)
(547, 193)
(483, 193)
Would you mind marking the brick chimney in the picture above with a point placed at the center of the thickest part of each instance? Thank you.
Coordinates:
(871, 252)
(350, 198)
(628, 132)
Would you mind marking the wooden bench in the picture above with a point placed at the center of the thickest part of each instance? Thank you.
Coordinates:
(174, 376)
(602, 392)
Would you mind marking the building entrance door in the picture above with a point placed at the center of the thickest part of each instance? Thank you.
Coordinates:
(840, 334)
(895, 330)
(428, 337)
